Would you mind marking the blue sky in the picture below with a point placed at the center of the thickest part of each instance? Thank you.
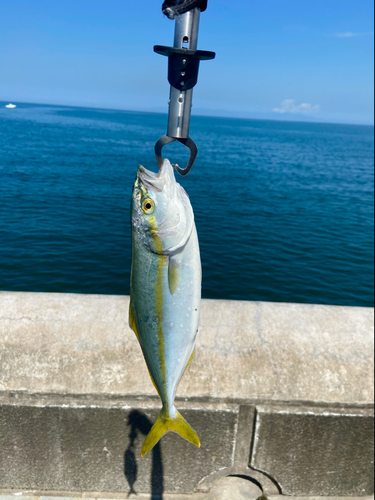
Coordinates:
(275, 59)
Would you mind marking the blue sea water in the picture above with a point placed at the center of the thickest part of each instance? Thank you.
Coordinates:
(284, 210)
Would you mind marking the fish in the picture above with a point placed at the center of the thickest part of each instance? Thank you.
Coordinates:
(165, 290)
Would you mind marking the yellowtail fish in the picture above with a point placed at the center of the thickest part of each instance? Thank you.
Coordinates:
(165, 290)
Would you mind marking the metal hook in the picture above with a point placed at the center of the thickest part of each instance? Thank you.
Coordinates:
(163, 141)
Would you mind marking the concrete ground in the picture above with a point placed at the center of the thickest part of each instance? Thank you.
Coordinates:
(229, 488)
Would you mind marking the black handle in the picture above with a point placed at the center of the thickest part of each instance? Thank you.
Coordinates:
(183, 65)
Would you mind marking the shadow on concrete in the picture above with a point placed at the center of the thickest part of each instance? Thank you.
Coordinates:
(247, 478)
(140, 424)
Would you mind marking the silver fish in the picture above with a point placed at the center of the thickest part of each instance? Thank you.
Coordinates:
(165, 290)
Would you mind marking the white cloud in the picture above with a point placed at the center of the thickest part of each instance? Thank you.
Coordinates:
(290, 106)
(346, 34)
(351, 34)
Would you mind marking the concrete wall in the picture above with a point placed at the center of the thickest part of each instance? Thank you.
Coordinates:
(279, 393)
(81, 344)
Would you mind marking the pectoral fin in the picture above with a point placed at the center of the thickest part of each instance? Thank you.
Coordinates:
(174, 272)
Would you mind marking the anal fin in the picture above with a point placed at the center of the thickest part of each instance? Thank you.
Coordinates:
(132, 320)
(190, 360)
(188, 364)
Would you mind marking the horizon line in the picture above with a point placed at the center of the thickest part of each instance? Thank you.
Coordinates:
(300, 118)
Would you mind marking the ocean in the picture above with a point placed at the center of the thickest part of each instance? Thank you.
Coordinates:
(284, 210)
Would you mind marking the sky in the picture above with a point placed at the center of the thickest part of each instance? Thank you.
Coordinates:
(276, 59)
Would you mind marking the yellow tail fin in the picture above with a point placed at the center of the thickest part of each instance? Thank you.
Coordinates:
(165, 424)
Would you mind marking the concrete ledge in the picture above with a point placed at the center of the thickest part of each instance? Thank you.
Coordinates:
(81, 344)
(280, 394)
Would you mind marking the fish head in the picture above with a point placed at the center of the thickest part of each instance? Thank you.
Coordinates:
(162, 217)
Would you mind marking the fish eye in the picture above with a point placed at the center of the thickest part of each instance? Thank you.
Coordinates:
(148, 206)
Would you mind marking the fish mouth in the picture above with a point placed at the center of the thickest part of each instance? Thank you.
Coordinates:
(158, 181)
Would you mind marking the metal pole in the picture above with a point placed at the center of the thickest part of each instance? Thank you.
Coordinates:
(180, 102)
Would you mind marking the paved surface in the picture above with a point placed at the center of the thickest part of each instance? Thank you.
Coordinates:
(228, 489)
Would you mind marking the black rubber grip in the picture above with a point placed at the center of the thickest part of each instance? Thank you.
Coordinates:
(183, 65)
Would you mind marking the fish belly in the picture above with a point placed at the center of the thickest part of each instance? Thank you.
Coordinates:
(181, 314)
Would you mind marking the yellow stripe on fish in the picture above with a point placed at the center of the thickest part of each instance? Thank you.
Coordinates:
(162, 259)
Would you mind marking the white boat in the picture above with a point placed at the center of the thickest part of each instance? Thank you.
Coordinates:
(10, 105)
